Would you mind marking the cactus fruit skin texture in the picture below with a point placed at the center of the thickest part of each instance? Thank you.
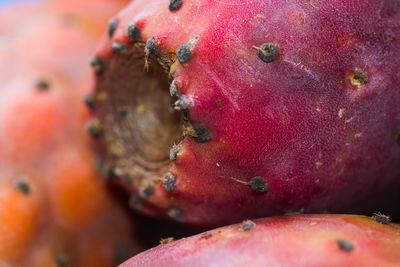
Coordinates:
(288, 106)
(55, 209)
(302, 240)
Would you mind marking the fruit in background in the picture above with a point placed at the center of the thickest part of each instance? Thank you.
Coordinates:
(303, 240)
(55, 210)
(283, 106)
(92, 13)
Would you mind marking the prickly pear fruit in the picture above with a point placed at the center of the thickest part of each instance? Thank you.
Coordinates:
(302, 240)
(55, 209)
(283, 106)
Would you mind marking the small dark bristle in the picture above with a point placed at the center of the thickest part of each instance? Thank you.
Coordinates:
(175, 214)
(133, 33)
(151, 47)
(181, 104)
(98, 64)
(134, 202)
(123, 112)
(174, 4)
(147, 191)
(119, 48)
(168, 240)
(358, 78)
(397, 138)
(43, 85)
(174, 152)
(345, 245)
(169, 182)
(268, 52)
(95, 128)
(258, 184)
(23, 186)
(206, 235)
(112, 26)
(173, 90)
(61, 260)
(109, 172)
(90, 100)
(247, 225)
(183, 53)
(202, 134)
(381, 218)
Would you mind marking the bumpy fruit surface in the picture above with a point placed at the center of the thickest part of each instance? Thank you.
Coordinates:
(55, 210)
(277, 107)
(304, 240)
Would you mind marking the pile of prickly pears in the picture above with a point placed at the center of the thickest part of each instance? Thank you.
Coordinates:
(278, 118)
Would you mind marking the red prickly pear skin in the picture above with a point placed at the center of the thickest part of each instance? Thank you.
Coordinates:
(55, 209)
(277, 107)
(302, 240)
